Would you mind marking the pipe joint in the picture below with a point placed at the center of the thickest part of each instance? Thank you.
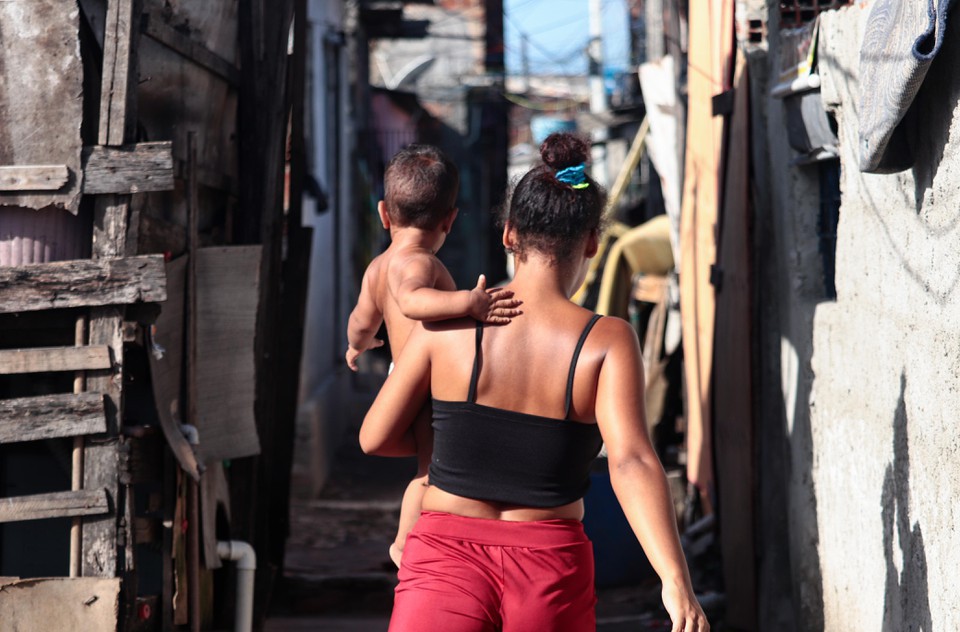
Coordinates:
(240, 552)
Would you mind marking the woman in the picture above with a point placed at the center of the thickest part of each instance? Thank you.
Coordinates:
(520, 412)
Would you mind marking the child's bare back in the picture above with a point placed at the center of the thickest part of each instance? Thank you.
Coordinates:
(407, 284)
(393, 274)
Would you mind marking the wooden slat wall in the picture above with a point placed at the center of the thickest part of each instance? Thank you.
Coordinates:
(50, 416)
(137, 168)
(19, 361)
(83, 282)
(87, 502)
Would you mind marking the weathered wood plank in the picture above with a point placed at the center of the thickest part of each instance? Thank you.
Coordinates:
(33, 177)
(157, 29)
(48, 359)
(83, 282)
(88, 502)
(136, 168)
(119, 85)
(50, 416)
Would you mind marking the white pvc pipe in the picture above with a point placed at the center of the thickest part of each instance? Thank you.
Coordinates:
(246, 558)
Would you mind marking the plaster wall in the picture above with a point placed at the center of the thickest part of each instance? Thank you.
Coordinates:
(886, 356)
(859, 395)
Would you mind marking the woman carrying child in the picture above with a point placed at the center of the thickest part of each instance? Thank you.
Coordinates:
(519, 413)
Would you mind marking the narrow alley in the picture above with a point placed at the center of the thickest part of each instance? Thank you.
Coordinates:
(753, 204)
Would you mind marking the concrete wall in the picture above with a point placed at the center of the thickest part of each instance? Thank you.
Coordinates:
(858, 445)
(788, 291)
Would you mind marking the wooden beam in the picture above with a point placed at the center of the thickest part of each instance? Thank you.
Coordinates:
(134, 168)
(118, 89)
(88, 502)
(33, 177)
(50, 416)
(157, 29)
(82, 282)
(118, 121)
(50, 359)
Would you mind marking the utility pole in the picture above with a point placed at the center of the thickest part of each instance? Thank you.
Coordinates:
(525, 62)
(598, 97)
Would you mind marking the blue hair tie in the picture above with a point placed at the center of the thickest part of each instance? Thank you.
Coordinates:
(574, 176)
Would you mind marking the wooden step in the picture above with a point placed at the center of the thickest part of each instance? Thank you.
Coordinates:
(50, 359)
(82, 283)
(50, 416)
(128, 168)
(86, 502)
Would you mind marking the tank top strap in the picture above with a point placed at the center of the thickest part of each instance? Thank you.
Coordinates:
(475, 375)
(573, 365)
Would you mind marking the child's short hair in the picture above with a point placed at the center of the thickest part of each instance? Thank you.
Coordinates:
(420, 187)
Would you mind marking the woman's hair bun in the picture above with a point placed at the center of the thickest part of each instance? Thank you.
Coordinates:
(564, 149)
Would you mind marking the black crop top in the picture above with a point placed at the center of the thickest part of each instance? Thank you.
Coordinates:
(510, 457)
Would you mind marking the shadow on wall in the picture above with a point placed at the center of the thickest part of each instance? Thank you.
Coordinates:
(796, 373)
(933, 114)
(906, 603)
(788, 288)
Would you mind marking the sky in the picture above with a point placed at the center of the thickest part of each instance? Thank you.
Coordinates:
(557, 32)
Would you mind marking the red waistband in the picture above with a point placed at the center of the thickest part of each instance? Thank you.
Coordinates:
(537, 533)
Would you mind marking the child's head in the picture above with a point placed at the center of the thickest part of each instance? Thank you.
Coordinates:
(421, 186)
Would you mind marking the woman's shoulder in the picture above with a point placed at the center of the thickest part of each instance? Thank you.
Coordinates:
(445, 333)
(450, 327)
(612, 331)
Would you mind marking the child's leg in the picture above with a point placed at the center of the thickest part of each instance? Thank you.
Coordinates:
(413, 496)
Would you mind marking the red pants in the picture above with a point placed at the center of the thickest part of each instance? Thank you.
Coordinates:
(472, 575)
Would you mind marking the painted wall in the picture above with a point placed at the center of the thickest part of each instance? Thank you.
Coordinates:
(859, 490)
(333, 281)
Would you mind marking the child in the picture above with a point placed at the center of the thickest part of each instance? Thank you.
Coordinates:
(407, 283)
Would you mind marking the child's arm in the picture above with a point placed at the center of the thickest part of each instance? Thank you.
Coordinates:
(365, 321)
(420, 299)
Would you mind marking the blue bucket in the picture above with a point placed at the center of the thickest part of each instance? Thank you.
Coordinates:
(618, 556)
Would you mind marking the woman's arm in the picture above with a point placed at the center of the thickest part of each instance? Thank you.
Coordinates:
(637, 475)
(386, 430)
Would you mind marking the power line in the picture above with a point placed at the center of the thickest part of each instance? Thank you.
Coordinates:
(548, 54)
(557, 25)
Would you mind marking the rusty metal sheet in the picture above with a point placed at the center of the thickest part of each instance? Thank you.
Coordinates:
(41, 96)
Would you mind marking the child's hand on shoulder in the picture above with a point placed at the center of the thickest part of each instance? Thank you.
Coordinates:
(495, 306)
(353, 353)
